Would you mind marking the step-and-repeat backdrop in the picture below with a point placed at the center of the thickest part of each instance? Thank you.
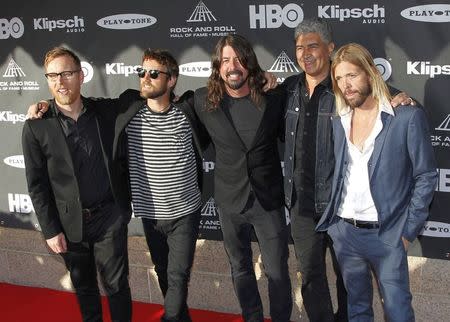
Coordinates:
(409, 39)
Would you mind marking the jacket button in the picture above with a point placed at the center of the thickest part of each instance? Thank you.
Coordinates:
(296, 109)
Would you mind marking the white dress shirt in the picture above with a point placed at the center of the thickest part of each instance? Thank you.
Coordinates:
(357, 202)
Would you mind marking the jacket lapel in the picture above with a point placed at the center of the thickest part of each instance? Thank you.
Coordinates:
(379, 142)
(123, 119)
(54, 126)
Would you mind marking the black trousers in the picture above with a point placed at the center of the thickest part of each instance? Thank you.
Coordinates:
(310, 249)
(272, 235)
(103, 249)
(172, 247)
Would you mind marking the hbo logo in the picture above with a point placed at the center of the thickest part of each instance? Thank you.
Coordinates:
(13, 27)
(273, 16)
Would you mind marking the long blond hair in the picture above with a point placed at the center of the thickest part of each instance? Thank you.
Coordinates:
(359, 56)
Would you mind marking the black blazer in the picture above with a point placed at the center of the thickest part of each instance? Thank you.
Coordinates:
(238, 169)
(50, 174)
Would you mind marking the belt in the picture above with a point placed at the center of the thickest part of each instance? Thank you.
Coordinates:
(362, 224)
(88, 213)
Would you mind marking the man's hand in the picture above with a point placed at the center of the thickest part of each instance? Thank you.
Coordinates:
(271, 81)
(405, 243)
(58, 243)
(402, 99)
(36, 111)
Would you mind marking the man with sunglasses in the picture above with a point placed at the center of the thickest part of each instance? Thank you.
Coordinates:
(80, 196)
(165, 166)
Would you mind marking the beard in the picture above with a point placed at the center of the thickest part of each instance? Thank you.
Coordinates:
(65, 99)
(235, 83)
(359, 97)
(152, 92)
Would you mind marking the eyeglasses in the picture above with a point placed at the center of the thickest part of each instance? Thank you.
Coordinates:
(153, 73)
(67, 74)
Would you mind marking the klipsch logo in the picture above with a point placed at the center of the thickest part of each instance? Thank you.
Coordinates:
(196, 69)
(11, 28)
(428, 13)
(11, 117)
(384, 67)
(425, 68)
(88, 71)
(274, 16)
(126, 21)
(375, 14)
(205, 25)
(75, 24)
(121, 69)
(13, 70)
(15, 161)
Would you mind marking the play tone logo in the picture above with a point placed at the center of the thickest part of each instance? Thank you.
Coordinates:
(435, 13)
(436, 229)
(126, 21)
(202, 17)
(15, 161)
(13, 70)
(196, 69)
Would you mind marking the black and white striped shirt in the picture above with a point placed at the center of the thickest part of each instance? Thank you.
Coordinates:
(162, 165)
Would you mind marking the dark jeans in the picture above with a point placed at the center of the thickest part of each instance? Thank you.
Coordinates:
(271, 231)
(172, 247)
(106, 252)
(310, 249)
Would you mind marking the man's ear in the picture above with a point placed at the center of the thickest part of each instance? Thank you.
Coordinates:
(172, 81)
(330, 48)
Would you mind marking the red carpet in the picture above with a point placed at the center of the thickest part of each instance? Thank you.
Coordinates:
(30, 304)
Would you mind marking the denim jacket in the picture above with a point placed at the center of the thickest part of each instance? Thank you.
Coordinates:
(324, 143)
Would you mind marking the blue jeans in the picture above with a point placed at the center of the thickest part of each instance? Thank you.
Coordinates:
(359, 251)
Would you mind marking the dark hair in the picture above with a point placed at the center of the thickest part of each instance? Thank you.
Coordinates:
(164, 58)
(247, 59)
(61, 51)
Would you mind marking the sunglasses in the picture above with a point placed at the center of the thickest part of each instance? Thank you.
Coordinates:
(153, 73)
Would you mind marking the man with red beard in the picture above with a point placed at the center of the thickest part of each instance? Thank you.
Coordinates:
(80, 197)
(384, 179)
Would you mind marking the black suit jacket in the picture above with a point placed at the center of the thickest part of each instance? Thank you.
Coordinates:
(239, 170)
(50, 173)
